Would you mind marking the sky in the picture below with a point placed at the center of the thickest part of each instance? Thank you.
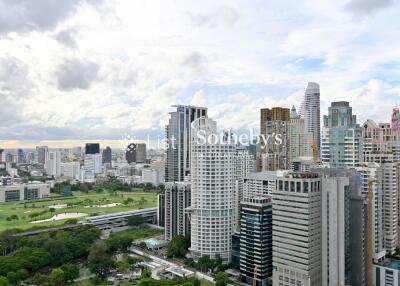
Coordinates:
(77, 70)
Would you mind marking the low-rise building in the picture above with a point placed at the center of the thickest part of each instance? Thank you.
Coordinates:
(31, 191)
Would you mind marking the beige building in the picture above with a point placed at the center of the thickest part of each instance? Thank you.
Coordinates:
(380, 145)
(274, 139)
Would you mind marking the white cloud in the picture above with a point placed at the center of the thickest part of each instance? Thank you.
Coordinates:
(116, 68)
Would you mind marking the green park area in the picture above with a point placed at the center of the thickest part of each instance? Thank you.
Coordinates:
(57, 209)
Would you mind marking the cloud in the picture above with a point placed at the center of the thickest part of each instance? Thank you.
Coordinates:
(368, 6)
(198, 98)
(76, 73)
(67, 38)
(221, 16)
(28, 15)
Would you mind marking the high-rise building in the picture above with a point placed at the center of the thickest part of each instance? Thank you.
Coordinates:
(136, 153)
(41, 151)
(178, 136)
(53, 163)
(213, 193)
(296, 230)
(92, 148)
(310, 111)
(71, 170)
(21, 156)
(93, 163)
(161, 209)
(260, 184)
(301, 141)
(274, 139)
(335, 209)
(107, 155)
(396, 119)
(244, 163)
(341, 137)
(381, 145)
(256, 240)
(345, 233)
(177, 199)
(371, 178)
(140, 153)
(1, 155)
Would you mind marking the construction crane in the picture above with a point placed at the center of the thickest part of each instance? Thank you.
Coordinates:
(255, 275)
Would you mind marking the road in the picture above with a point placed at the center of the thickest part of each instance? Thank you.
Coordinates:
(198, 274)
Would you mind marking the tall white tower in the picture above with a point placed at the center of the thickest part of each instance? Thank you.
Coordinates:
(311, 111)
(53, 163)
(213, 205)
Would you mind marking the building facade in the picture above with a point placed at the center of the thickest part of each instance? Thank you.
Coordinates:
(213, 193)
(275, 145)
(256, 240)
(177, 200)
(311, 111)
(178, 136)
(301, 141)
(381, 145)
(296, 230)
(341, 137)
(12, 193)
(53, 163)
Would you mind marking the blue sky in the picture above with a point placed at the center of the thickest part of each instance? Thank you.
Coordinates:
(85, 69)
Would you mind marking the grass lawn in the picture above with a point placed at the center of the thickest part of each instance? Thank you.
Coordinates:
(204, 282)
(89, 203)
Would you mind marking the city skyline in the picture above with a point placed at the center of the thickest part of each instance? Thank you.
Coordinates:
(90, 85)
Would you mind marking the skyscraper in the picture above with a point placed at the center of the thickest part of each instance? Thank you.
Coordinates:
(396, 119)
(53, 163)
(107, 155)
(310, 111)
(178, 135)
(274, 138)
(341, 137)
(21, 156)
(256, 240)
(136, 153)
(177, 199)
(380, 145)
(244, 163)
(140, 153)
(371, 177)
(42, 150)
(296, 230)
(92, 148)
(301, 141)
(213, 193)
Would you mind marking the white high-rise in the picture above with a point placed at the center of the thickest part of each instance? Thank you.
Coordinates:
(244, 164)
(296, 230)
(53, 163)
(213, 204)
(335, 209)
(371, 176)
(311, 111)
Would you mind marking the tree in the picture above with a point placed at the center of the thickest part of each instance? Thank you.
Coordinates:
(99, 261)
(178, 246)
(57, 276)
(204, 263)
(3, 281)
(71, 272)
(221, 279)
(146, 273)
